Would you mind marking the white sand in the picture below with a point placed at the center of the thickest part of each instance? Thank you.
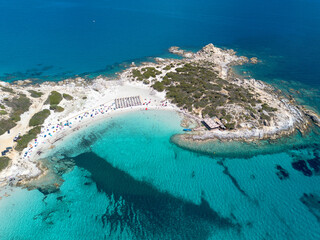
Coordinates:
(77, 114)
(100, 95)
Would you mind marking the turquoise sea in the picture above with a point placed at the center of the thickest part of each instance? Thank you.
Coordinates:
(129, 181)
(129, 177)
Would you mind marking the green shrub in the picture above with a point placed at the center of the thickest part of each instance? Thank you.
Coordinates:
(23, 142)
(267, 108)
(137, 74)
(166, 80)
(227, 117)
(3, 112)
(19, 106)
(35, 94)
(167, 68)
(54, 98)
(38, 118)
(67, 97)
(145, 73)
(265, 117)
(59, 109)
(6, 89)
(15, 117)
(6, 125)
(2, 106)
(230, 126)
(159, 86)
(146, 81)
(4, 162)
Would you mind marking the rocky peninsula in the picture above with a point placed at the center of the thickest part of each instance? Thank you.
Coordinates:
(200, 85)
(204, 86)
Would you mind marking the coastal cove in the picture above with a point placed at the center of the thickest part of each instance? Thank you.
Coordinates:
(111, 189)
(201, 85)
(115, 150)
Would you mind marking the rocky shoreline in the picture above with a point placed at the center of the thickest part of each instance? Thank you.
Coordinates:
(289, 118)
(282, 116)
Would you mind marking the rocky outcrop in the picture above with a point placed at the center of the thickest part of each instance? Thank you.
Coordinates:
(313, 116)
(180, 52)
(254, 60)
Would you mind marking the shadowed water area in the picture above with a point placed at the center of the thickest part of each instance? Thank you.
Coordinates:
(146, 211)
(123, 178)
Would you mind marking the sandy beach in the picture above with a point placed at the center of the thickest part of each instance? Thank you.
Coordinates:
(98, 105)
(95, 100)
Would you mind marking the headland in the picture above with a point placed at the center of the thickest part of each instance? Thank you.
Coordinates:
(201, 85)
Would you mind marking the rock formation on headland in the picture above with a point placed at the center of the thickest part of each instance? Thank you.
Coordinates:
(203, 85)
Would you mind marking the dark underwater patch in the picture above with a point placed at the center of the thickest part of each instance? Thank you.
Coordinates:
(232, 178)
(147, 212)
(282, 173)
(301, 166)
(314, 164)
(308, 164)
(312, 202)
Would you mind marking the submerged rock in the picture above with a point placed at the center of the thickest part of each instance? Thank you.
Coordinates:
(301, 166)
(315, 164)
(312, 201)
(254, 60)
(282, 173)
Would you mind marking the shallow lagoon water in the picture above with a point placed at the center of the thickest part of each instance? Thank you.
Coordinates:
(131, 182)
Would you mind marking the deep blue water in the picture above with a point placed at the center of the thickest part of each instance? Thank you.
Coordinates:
(54, 39)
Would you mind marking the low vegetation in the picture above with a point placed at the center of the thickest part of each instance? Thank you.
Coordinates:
(6, 89)
(18, 106)
(35, 94)
(23, 142)
(159, 86)
(145, 73)
(6, 125)
(4, 162)
(67, 96)
(198, 89)
(3, 112)
(39, 118)
(54, 98)
(56, 108)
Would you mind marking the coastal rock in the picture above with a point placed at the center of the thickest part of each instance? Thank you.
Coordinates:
(4, 84)
(254, 60)
(180, 52)
(313, 116)
(23, 82)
